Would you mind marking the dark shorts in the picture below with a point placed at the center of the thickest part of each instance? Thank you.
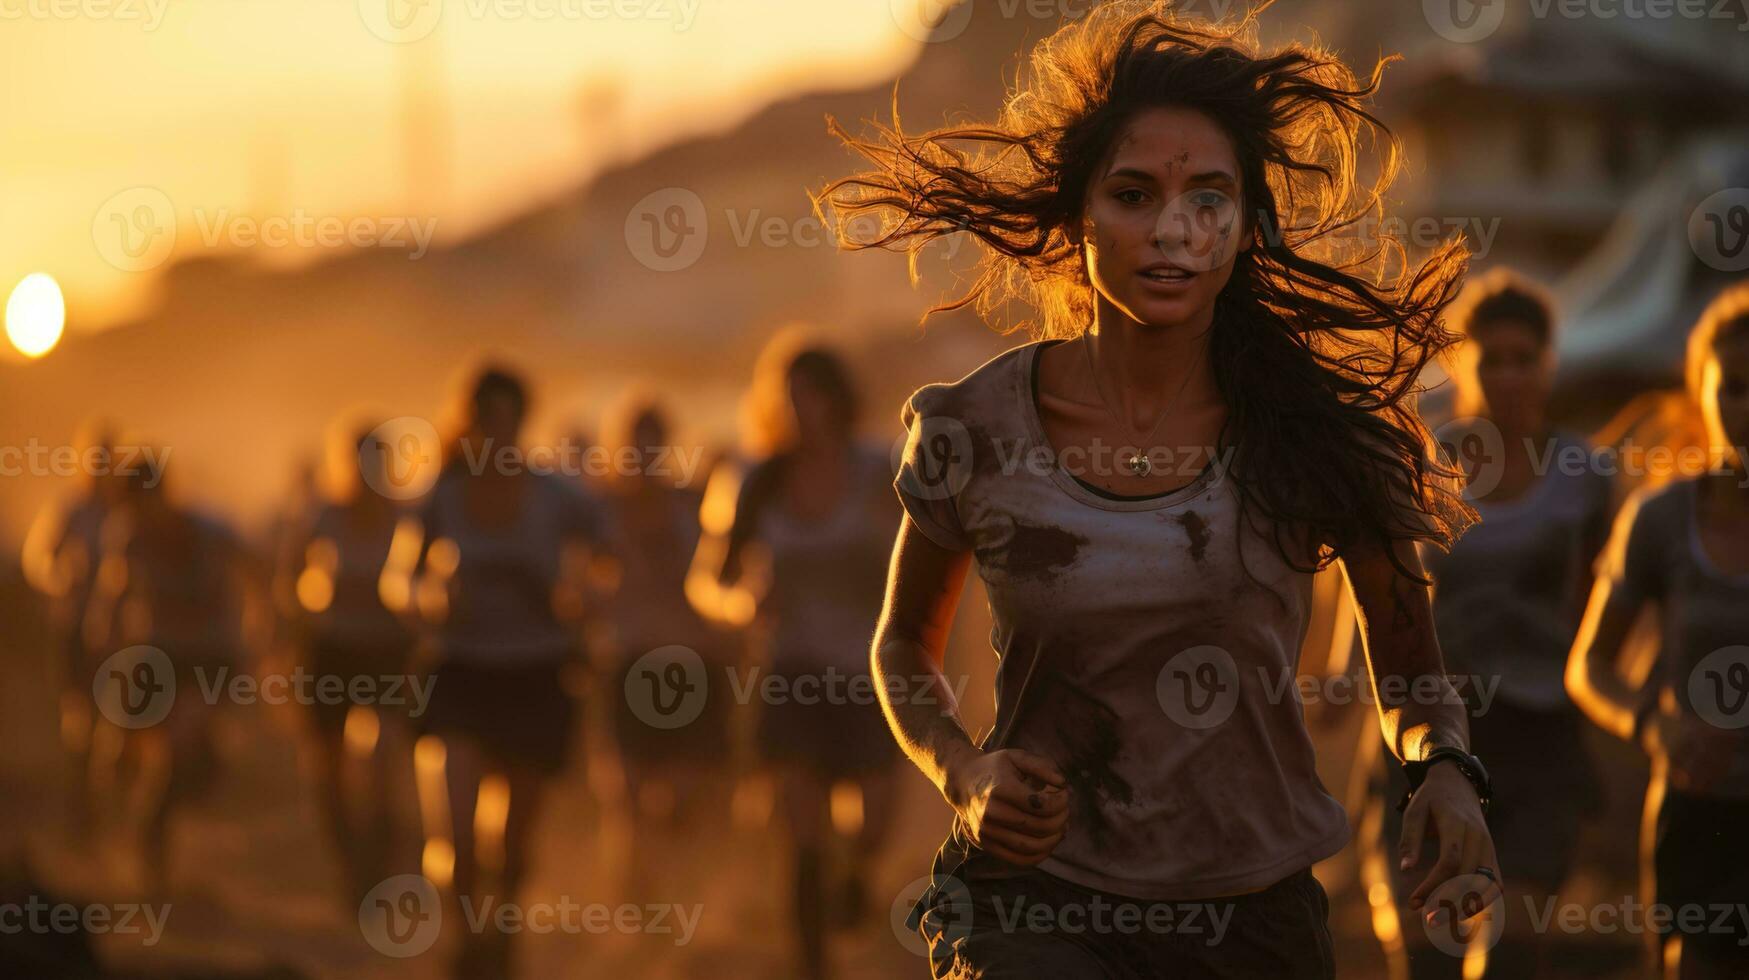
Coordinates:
(835, 736)
(1701, 860)
(332, 657)
(1545, 786)
(1038, 925)
(520, 715)
(707, 738)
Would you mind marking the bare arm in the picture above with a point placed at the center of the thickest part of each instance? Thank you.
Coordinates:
(1013, 803)
(1419, 710)
(1418, 707)
(924, 582)
(716, 581)
(40, 559)
(1594, 677)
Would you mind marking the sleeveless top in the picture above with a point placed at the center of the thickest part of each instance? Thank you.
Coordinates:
(355, 615)
(185, 587)
(1148, 646)
(827, 576)
(1508, 597)
(650, 608)
(501, 592)
(1701, 676)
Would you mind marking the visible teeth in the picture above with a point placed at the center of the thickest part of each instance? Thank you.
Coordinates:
(1175, 274)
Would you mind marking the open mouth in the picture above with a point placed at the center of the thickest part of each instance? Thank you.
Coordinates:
(1167, 274)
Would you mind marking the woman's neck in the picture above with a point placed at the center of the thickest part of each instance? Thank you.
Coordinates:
(1144, 367)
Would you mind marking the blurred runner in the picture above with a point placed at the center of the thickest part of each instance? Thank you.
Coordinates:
(1507, 601)
(676, 776)
(335, 576)
(179, 582)
(60, 559)
(499, 574)
(818, 510)
(1683, 549)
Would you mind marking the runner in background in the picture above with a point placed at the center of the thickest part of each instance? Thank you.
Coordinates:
(360, 751)
(675, 777)
(1682, 549)
(60, 557)
(498, 576)
(803, 547)
(1507, 600)
(180, 582)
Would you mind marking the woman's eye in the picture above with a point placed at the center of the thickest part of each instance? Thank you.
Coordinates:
(1208, 199)
(1130, 195)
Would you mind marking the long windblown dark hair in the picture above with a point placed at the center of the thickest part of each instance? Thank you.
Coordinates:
(1321, 333)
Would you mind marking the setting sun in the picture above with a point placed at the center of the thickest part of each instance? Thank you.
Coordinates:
(35, 314)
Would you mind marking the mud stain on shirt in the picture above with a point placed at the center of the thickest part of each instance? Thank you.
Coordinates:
(1034, 551)
(1082, 736)
(1197, 530)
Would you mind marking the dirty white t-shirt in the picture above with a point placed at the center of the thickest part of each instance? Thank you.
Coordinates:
(1135, 651)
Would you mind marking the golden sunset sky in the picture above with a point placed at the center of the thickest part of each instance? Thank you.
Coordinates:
(446, 113)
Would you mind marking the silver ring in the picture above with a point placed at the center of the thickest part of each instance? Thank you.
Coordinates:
(1488, 873)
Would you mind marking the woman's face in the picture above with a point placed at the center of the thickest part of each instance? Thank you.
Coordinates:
(1724, 389)
(499, 419)
(1163, 220)
(648, 436)
(815, 420)
(1512, 369)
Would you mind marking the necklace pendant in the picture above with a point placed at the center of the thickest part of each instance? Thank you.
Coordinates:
(1139, 464)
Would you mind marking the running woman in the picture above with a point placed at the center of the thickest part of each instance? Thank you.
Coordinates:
(178, 581)
(815, 511)
(60, 559)
(672, 775)
(1684, 549)
(350, 634)
(498, 576)
(1507, 600)
(1223, 402)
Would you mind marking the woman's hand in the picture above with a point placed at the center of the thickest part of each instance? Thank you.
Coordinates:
(1014, 804)
(1447, 802)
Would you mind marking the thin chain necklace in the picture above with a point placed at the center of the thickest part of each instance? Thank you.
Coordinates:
(1138, 461)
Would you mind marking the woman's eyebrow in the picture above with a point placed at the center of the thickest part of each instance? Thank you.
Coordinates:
(1212, 176)
(1132, 172)
(1207, 176)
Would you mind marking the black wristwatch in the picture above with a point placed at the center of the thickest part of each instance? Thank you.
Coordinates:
(1466, 763)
